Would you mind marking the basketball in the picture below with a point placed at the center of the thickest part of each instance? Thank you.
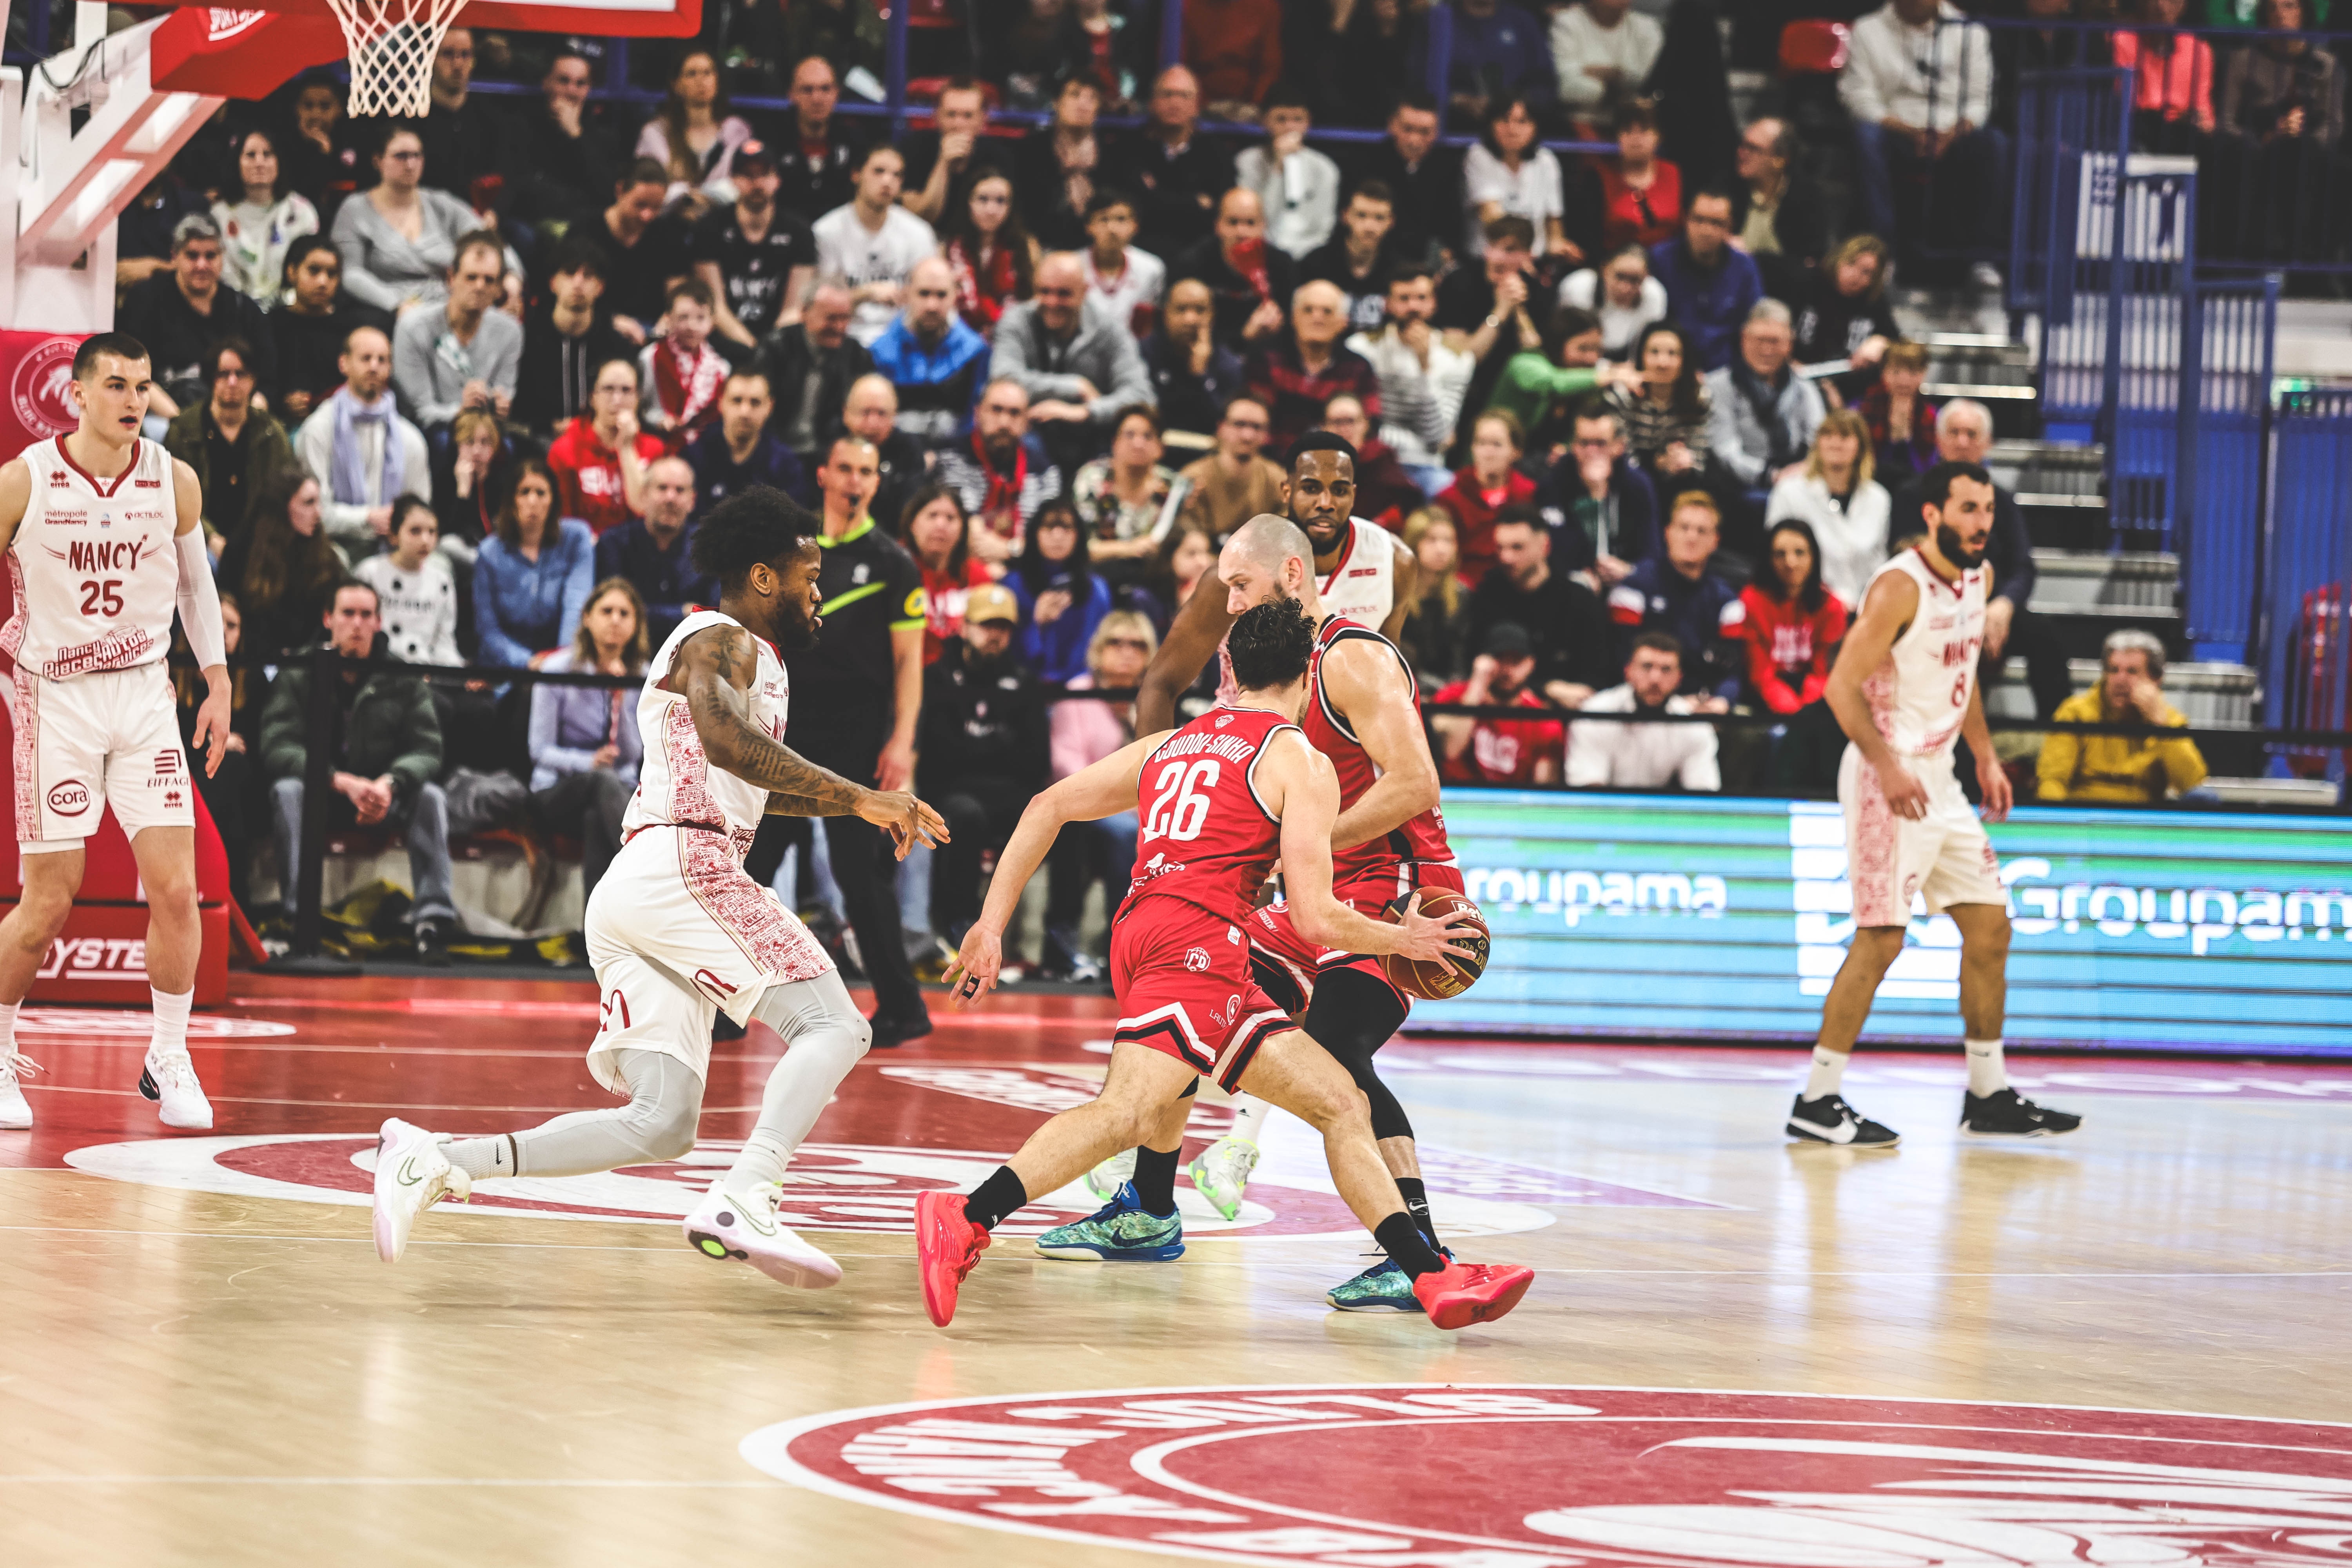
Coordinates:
(1434, 979)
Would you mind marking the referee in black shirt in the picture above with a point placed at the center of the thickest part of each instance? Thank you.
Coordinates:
(856, 698)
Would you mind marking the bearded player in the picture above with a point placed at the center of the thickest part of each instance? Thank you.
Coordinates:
(677, 932)
(1218, 801)
(1364, 715)
(1905, 690)
(103, 543)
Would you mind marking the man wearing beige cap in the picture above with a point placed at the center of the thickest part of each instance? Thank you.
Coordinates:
(983, 750)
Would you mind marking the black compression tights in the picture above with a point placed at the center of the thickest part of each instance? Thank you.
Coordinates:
(1352, 1017)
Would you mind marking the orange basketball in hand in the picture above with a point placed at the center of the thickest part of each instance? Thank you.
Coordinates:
(1433, 979)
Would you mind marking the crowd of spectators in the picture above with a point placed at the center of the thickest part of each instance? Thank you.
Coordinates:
(464, 383)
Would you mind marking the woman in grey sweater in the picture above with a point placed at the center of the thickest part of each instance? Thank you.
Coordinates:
(397, 240)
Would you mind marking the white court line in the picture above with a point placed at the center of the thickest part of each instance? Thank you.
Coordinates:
(369, 1481)
(374, 1104)
(1268, 1267)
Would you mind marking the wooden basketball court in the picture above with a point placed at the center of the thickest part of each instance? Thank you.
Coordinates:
(205, 1364)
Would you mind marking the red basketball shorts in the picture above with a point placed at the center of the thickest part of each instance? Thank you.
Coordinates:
(1182, 979)
(1279, 942)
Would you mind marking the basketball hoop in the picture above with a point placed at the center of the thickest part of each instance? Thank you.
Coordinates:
(393, 43)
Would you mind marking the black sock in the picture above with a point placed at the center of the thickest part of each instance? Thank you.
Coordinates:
(1416, 1204)
(994, 1198)
(1155, 1179)
(1406, 1247)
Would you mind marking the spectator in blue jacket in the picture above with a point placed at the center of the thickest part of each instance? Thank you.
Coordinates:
(1062, 601)
(739, 452)
(530, 581)
(655, 553)
(1678, 592)
(1500, 52)
(938, 362)
(585, 745)
(1711, 285)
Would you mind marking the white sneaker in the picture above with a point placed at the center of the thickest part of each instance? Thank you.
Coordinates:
(743, 1227)
(412, 1173)
(1106, 1179)
(170, 1082)
(14, 1114)
(1221, 1174)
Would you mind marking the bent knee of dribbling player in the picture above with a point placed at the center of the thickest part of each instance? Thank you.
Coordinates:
(1875, 945)
(51, 879)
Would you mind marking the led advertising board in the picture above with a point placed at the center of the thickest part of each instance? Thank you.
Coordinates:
(1684, 917)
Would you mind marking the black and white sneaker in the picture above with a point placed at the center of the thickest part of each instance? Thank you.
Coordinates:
(2005, 1113)
(1830, 1120)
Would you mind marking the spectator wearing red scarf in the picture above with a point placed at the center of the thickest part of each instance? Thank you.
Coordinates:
(1490, 483)
(1793, 624)
(1002, 474)
(938, 536)
(680, 372)
(992, 255)
(600, 459)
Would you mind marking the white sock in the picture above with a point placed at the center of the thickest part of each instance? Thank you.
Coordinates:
(7, 1029)
(1829, 1071)
(479, 1157)
(171, 1036)
(1249, 1116)
(1986, 1073)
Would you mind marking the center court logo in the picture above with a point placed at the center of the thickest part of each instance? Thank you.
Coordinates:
(1595, 1478)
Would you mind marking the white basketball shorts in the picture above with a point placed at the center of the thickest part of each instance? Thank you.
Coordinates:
(111, 737)
(678, 931)
(1944, 857)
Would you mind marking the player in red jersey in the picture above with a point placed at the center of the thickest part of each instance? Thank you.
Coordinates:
(1219, 801)
(1363, 714)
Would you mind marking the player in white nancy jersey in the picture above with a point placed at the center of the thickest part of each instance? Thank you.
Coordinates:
(1362, 570)
(1905, 690)
(677, 930)
(103, 543)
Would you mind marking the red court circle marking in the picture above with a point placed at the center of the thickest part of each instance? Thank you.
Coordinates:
(1535, 1475)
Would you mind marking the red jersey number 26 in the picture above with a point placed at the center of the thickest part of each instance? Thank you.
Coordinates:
(1178, 812)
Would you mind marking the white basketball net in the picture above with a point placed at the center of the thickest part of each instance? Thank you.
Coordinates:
(393, 43)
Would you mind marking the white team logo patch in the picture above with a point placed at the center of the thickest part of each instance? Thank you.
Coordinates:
(1197, 959)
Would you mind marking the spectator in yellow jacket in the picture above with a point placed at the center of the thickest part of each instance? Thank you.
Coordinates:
(2136, 769)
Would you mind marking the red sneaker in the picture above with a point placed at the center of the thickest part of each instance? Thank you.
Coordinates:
(946, 1246)
(1467, 1293)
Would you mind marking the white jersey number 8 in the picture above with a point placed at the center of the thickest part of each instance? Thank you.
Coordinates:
(1178, 813)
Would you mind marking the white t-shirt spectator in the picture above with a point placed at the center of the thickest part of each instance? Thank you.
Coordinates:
(1533, 193)
(1419, 404)
(847, 249)
(1301, 199)
(419, 608)
(1641, 756)
(1929, 77)
(1853, 536)
(1134, 289)
(1620, 329)
(1577, 41)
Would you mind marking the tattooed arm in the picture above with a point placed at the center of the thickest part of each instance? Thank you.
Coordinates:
(714, 670)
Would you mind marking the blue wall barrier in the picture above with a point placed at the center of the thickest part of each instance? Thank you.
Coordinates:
(1682, 917)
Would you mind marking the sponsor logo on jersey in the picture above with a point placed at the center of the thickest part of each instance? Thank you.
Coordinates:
(712, 983)
(1606, 1478)
(71, 798)
(167, 762)
(1364, 572)
(60, 479)
(66, 519)
(118, 649)
(146, 484)
(1197, 959)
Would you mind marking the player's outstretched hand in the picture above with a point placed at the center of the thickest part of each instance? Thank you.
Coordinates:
(907, 820)
(211, 727)
(1998, 794)
(972, 975)
(1431, 937)
(1906, 795)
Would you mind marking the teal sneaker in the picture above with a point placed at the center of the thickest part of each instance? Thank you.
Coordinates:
(1120, 1232)
(1383, 1287)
